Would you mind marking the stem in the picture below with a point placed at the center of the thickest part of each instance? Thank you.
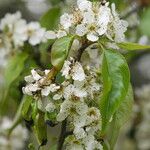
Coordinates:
(62, 135)
(81, 50)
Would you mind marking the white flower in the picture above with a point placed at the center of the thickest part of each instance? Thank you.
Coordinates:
(29, 79)
(74, 70)
(50, 35)
(79, 133)
(72, 90)
(73, 144)
(84, 5)
(50, 107)
(36, 33)
(61, 33)
(53, 35)
(35, 75)
(66, 68)
(118, 27)
(89, 142)
(94, 23)
(66, 20)
(15, 29)
(30, 88)
(71, 108)
(93, 115)
(52, 88)
(57, 96)
(20, 32)
(9, 20)
(78, 72)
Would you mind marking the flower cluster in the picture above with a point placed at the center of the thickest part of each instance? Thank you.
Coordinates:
(17, 139)
(93, 20)
(74, 99)
(15, 31)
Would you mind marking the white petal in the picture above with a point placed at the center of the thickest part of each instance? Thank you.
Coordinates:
(66, 20)
(79, 133)
(50, 107)
(35, 75)
(78, 72)
(29, 79)
(57, 96)
(92, 37)
(45, 91)
(61, 33)
(84, 5)
(81, 30)
(50, 35)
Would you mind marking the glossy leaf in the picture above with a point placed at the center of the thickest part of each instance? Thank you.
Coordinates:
(115, 76)
(40, 129)
(50, 18)
(15, 67)
(120, 117)
(26, 106)
(133, 46)
(60, 50)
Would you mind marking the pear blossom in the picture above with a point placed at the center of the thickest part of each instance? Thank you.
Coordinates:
(70, 108)
(50, 107)
(66, 20)
(84, 5)
(117, 28)
(55, 34)
(74, 70)
(15, 29)
(73, 144)
(34, 84)
(36, 33)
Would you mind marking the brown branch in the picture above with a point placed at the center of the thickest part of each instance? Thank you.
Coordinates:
(62, 135)
(81, 50)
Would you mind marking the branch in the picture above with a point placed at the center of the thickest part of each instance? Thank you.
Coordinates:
(81, 50)
(62, 135)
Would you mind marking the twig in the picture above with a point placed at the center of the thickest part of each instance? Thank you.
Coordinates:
(81, 50)
(62, 135)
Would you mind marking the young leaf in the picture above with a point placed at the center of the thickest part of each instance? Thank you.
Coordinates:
(133, 46)
(116, 77)
(15, 67)
(27, 100)
(120, 117)
(50, 18)
(40, 128)
(60, 50)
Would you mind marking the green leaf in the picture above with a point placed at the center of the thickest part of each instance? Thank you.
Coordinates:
(26, 106)
(120, 117)
(15, 67)
(34, 106)
(60, 50)
(116, 78)
(145, 22)
(45, 50)
(133, 46)
(40, 128)
(50, 18)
